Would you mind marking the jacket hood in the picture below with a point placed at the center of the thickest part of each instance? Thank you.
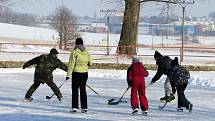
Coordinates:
(80, 47)
(157, 54)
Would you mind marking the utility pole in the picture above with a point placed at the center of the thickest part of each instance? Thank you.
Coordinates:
(108, 13)
(183, 4)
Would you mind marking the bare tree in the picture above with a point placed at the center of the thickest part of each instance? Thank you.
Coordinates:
(65, 23)
(129, 31)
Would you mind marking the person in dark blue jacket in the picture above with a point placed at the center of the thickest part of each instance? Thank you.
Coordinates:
(179, 76)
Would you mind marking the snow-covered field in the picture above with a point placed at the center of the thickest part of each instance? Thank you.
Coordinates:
(191, 58)
(45, 34)
(109, 84)
(49, 35)
(25, 32)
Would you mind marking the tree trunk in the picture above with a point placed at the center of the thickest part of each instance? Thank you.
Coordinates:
(65, 45)
(61, 39)
(129, 31)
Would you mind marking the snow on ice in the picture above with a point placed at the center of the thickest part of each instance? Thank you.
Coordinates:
(110, 84)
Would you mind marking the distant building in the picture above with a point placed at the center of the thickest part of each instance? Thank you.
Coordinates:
(189, 28)
(192, 26)
(84, 27)
(91, 26)
(98, 26)
(115, 25)
(145, 28)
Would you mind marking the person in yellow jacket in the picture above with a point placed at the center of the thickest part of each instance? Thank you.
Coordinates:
(79, 61)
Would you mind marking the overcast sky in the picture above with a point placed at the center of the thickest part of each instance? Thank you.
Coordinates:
(89, 7)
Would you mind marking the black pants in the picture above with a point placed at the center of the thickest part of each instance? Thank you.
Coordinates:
(79, 81)
(182, 100)
(51, 84)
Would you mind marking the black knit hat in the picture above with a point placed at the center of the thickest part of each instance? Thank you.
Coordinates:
(53, 51)
(79, 41)
(157, 54)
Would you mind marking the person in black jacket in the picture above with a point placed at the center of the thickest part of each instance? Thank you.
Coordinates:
(164, 65)
(179, 76)
(45, 65)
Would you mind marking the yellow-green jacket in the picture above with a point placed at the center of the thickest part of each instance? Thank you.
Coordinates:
(79, 61)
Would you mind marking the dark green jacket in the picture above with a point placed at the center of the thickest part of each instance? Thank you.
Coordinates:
(45, 65)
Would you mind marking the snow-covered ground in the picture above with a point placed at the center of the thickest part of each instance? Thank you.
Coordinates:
(26, 32)
(191, 58)
(109, 84)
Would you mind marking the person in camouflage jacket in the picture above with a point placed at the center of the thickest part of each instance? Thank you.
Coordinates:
(45, 65)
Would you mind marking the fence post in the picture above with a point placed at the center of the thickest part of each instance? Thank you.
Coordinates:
(117, 51)
(181, 55)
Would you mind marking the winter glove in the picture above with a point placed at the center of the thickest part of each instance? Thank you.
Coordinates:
(24, 66)
(173, 87)
(67, 78)
(129, 83)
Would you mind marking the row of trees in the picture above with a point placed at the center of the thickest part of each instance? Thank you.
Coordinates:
(63, 21)
(8, 16)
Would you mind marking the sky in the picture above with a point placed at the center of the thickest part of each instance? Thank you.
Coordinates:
(90, 7)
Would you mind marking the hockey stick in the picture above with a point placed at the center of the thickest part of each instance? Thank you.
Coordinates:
(93, 90)
(112, 102)
(49, 97)
(98, 93)
(162, 107)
